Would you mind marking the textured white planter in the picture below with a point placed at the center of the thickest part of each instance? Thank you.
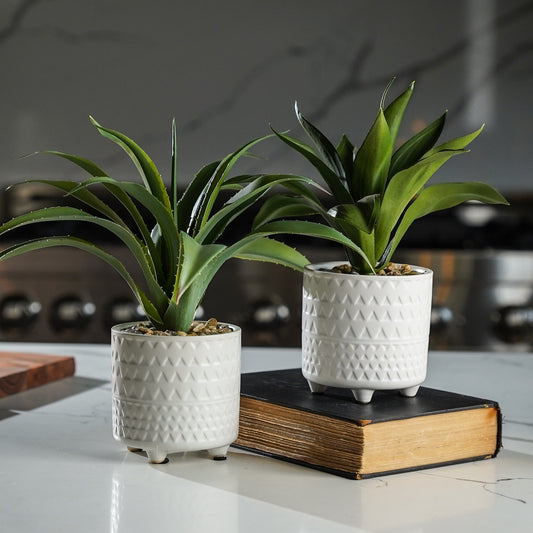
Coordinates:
(176, 394)
(365, 333)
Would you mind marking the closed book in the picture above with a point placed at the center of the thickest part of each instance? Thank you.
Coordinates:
(281, 418)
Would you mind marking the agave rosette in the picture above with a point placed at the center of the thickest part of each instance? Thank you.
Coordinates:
(376, 192)
(180, 252)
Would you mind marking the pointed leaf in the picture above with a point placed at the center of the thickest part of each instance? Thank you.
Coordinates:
(346, 151)
(371, 165)
(443, 196)
(83, 195)
(460, 143)
(218, 179)
(160, 212)
(174, 173)
(115, 187)
(85, 164)
(412, 150)
(361, 216)
(147, 169)
(323, 144)
(239, 203)
(313, 229)
(280, 206)
(195, 258)
(401, 190)
(265, 249)
(333, 181)
(395, 110)
(189, 204)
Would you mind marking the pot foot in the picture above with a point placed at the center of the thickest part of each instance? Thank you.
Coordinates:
(156, 456)
(134, 449)
(410, 392)
(316, 388)
(220, 453)
(363, 395)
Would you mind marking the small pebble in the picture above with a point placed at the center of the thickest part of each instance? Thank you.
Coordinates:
(210, 327)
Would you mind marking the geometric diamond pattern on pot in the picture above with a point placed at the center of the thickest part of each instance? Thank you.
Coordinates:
(176, 393)
(365, 329)
(173, 425)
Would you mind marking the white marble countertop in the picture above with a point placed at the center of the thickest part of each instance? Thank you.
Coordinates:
(61, 470)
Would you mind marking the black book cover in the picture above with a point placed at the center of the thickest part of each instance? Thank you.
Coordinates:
(288, 388)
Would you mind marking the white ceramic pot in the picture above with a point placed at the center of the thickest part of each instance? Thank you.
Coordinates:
(176, 394)
(365, 333)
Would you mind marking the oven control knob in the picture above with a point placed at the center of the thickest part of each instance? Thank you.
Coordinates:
(267, 313)
(18, 311)
(123, 310)
(71, 312)
(514, 323)
(441, 318)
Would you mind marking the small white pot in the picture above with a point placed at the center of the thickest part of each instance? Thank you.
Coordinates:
(176, 394)
(365, 333)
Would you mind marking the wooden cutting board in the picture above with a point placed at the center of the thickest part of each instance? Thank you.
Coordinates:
(21, 371)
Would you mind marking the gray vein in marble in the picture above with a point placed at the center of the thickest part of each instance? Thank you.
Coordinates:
(14, 23)
(354, 81)
(487, 485)
(90, 36)
(242, 85)
(14, 26)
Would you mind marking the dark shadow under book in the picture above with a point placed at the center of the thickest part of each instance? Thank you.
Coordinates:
(281, 418)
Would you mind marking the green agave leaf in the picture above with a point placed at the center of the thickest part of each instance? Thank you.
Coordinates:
(323, 144)
(371, 164)
(280, 206)
(38, 244)
(219, 178)
(314, 229)
(306, 191)
(444, 196)
(196, 257)
(413, 149)
(180, 317)
(85, 164)
(160, 212)
(83, 195)
(240, 202)
(361, 216)
(401, 190)
(174, 172)
(146, 167)
(334, 182)
(240, 180)
(270, 250)
(115, 187)
(395, 110)
(190, 203)
(346, 151)
(455, 144)
(53, 214)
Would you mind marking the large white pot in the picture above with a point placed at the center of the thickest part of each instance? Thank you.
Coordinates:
(176, 394)
(365, 333)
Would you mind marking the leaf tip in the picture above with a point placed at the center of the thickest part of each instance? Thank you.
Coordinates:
(93, 122)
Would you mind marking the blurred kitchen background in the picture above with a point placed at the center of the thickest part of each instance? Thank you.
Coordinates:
(225, 71)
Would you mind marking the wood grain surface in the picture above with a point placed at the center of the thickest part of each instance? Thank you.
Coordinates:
(22, 371)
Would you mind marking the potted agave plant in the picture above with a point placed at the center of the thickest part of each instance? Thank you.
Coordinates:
(366, 320)
(175, 381)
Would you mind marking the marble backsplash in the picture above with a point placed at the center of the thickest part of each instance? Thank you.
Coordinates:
(228, 70)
